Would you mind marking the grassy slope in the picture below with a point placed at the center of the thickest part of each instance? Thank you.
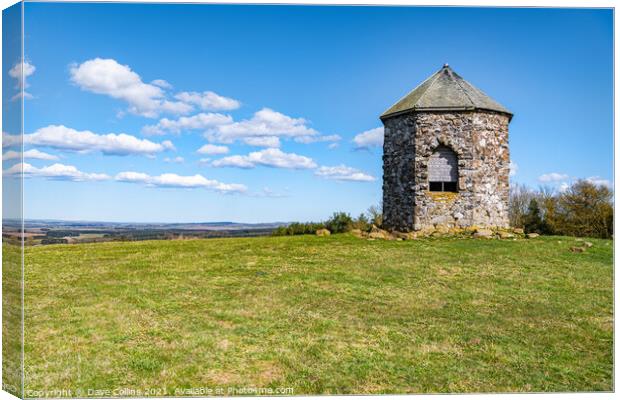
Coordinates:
(11, 318)
(321, 315)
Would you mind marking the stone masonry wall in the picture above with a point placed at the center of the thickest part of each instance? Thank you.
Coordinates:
(480, 140)
(398, 172)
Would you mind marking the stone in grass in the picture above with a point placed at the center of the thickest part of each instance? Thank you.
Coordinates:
(483, 233)
(323, 232)
(576, 249)
(518, 231)
(378, 233)
(532, 235)
(358, 233)
(401, 235)
(584, 243)
(505, 235)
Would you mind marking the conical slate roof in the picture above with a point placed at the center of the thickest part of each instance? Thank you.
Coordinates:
(445, 90)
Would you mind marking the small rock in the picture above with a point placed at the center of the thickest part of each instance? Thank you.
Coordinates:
(576, 249)
(378, 233)
(518, 231)
(532, 235)
(483, 233)
(442, 229)
(401, 235)
(358, 233)
(588, 244)
(323, 232)
(506, 235)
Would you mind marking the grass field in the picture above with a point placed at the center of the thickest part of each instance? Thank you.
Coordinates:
(320, 315)
(11, 317)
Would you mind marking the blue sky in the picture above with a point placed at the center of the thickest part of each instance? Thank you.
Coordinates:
(280, 94)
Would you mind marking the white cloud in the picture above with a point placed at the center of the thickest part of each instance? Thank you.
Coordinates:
(16, 72)
(553, 177)
(24, 94)
(9, 140)
(262, 141)
(176, 160)
(369, 138)
(332, 146)
(162, 83)
(172, 107)
(130, 176)
(54, 171)
(33, 154)
(22, 84)
(514, 168)
(204, 161)
(316, 139)
(199, 121)
(597, 180)
(212, 149)
(234, 161)
(63, 138)
(344, 173)
(208, 100)
(275, 158)
(267, 192)
(179, 181)
(564, 182)
(264, 123)
(108, 77)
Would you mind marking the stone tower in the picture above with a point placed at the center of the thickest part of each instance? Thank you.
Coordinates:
(445, 157)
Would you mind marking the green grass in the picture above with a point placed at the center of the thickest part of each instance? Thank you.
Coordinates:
(321, 315)
(11, 318)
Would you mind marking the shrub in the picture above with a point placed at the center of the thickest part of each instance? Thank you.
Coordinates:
(361, 222)
(339, 222)
(298, 228)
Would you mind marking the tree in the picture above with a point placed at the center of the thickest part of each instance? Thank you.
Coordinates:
(585, 209)
(375, 215)
(548, 199)
(532, 221)
(518, 202)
